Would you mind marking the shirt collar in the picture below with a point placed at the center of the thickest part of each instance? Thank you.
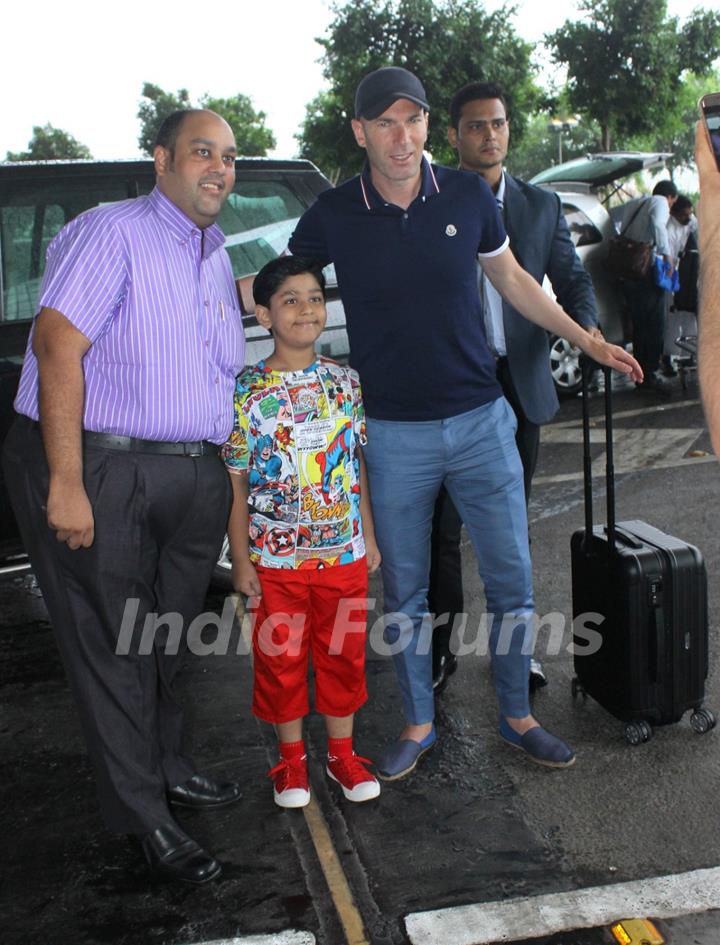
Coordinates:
(500, 195)
(181, 226)
(372, 199)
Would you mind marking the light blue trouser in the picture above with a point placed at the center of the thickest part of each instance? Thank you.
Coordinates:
(475, 455)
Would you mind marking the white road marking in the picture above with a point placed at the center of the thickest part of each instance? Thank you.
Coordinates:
(277, 938)
(488, 923)
(635, 449)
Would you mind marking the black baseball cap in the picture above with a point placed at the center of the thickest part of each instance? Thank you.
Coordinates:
(379, 89)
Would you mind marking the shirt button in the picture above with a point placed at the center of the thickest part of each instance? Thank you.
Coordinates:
(405, 216)
(206, 304)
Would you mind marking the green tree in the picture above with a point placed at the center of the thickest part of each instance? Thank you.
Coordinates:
(251, 135)
(626, 59)
(445, 42)
(155, 106)
(676, 134)
(539, 148)
(50, 144)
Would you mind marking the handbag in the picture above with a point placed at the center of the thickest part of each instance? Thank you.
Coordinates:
(664, 276)
(626, 258)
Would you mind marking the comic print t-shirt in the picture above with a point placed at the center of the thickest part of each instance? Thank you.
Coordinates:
(295, 433)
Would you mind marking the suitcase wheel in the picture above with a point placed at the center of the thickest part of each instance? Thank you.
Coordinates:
(577, 688)
(638, 732)
(702, 721)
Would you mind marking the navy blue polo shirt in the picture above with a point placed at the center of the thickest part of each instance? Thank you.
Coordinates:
(409, 286)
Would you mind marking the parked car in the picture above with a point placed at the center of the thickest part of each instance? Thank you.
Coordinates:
(587, 187)
(38, 198)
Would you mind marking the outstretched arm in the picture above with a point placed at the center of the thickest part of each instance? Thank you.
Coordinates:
(525, 295)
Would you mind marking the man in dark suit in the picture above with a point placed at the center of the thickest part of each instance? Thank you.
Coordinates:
(539, 237)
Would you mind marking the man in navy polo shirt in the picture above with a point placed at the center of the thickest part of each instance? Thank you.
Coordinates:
(405, 237)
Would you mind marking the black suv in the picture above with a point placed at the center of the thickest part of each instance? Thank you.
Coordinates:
(38, 199)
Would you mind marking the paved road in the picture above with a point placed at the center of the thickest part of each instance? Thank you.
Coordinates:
(477, 826)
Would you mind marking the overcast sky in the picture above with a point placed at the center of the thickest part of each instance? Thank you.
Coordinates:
(80, 65)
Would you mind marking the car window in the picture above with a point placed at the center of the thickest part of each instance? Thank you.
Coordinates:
(257, 220)
(29, 219)
(583, 231)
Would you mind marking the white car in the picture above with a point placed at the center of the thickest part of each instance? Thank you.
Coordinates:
(587, 188)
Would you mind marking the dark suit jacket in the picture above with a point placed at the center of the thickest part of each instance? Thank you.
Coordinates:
(540, 240)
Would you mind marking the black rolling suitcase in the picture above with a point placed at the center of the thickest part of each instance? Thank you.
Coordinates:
(646, 661)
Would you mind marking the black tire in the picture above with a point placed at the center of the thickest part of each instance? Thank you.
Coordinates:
(577, 688)
(565, 367)
(646, 729)
(633, 734)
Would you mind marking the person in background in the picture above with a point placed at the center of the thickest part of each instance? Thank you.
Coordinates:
(645, 220)
(682, 227)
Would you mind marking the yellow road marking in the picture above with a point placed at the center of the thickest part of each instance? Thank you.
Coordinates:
(335, 877)
(338, 885)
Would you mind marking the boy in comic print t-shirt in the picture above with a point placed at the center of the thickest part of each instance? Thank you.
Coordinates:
(301, 531)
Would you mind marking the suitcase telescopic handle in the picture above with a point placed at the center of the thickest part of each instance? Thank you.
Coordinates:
(588, 366)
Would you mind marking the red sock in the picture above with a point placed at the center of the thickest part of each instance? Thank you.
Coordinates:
(340, 747)
(292, 749)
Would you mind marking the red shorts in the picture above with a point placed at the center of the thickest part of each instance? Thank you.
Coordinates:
(319, 611)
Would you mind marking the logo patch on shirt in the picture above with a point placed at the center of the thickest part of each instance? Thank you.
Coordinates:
(450, 230)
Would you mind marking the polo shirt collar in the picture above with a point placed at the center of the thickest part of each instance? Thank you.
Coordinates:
(372, 199)
(181, 226)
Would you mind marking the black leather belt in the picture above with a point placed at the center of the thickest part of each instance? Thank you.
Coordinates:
(133, 444)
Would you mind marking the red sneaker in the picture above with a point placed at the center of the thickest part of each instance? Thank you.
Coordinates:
(290, 782)
(353, 777)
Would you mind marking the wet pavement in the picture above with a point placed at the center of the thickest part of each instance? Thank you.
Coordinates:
(476, 823)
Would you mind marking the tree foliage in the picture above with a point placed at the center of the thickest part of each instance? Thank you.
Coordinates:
(251, 135)
(539, 147)
(626, 60)
(447, 43)
(154, 108)
(50, 144)
(676, 133)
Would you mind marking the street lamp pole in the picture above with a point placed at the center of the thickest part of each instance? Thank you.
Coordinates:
(559, 125)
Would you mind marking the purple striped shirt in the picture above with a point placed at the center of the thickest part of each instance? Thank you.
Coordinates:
(155, 296)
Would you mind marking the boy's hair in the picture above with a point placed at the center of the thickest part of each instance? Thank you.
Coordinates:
(273, 274)
(471, 93)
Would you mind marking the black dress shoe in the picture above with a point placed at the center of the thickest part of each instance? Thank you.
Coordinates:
(174, 855)
(656, 384)
(444, 665)
(203, 793)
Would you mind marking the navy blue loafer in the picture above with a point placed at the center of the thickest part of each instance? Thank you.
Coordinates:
(540, 745)
(401, 757)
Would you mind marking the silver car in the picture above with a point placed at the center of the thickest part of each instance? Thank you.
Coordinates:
(588, 187)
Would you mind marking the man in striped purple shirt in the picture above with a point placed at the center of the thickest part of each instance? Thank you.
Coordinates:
(113, 470)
